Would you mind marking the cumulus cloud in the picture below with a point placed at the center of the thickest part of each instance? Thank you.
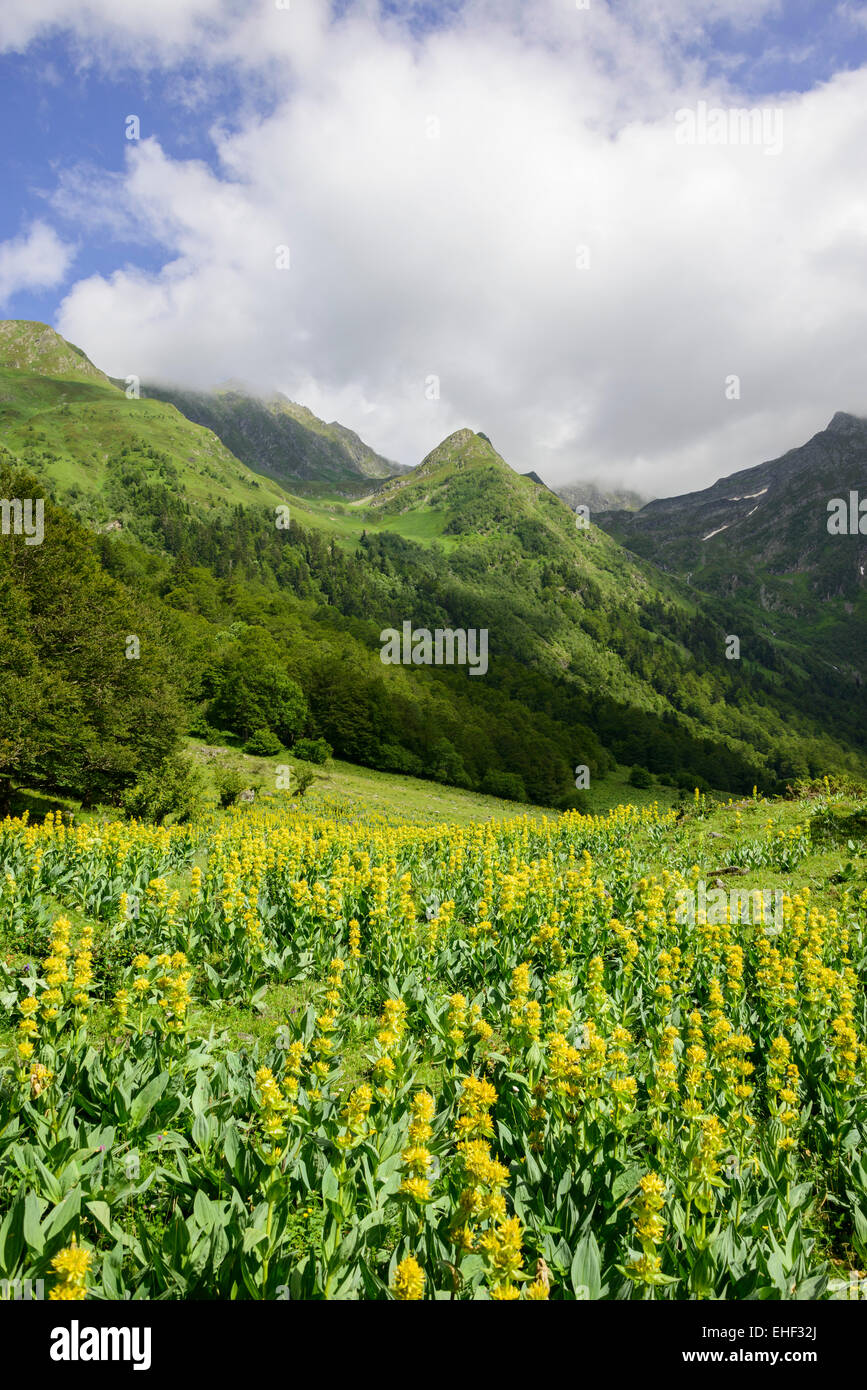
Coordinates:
(499, 203)
(35, 260)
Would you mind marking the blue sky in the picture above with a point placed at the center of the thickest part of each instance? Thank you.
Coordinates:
(804, 44)
(453, 255)
(56, 113)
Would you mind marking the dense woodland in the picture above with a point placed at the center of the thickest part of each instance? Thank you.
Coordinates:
(244, 627)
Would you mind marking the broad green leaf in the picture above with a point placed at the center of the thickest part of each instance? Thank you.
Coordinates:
(144, 1102)
(63, 1214)
(101, 1211)
(585, 1273)
(33, 1233)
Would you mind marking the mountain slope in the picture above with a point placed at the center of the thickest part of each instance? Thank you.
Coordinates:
(600, 499)
(571, 602)
(596, 655)
(760, 537)
(75, 429)
(29, 346)
(283, 440)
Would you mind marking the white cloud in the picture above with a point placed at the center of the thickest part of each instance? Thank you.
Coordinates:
(455, 256)
(35, 260)
(125, 26)
(854, 14)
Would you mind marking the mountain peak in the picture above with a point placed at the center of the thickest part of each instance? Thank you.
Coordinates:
(844, 423)
(27, 345)
(459, 439)
(461, 449)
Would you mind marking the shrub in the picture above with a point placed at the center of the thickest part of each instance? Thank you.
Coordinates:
(229, 784)
(688, 781)
(507, 785)
(832, 827)
(302, 778)
(175, 788)
(640, 777)
(312, 750)
(199, 727)
(393, 758)
(264, 744)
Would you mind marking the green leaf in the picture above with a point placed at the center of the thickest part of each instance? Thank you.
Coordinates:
(144, 1102)
(777, 1271)
(33, 1233)
(63, 1214)
(253, 1236)
(205, 1211)
(347, 1284)
(11, 1238)
(49, 1181)
(111, 1267)
(626, 1181)
(349, 1245)
(101, 1211)
(177, 1241)
(586, 1271)
(231, 1146)
(860, 1233)
(330, 1185)
(201, 1097)
(202, 1130)
(532, 1169)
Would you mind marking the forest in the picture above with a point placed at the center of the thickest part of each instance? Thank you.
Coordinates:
(245, 629)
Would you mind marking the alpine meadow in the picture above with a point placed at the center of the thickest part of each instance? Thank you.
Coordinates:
(432, 873)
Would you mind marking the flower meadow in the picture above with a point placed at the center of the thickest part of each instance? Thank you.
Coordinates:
(275, 1055)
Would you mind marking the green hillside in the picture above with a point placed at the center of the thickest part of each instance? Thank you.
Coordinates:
(759, 539)
(362, 789)
(70, 425)
(583, 638)
(283, 440)
(33, 347)
(597, 658)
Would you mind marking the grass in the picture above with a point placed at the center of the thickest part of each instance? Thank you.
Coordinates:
(413, 798)
(357, 789)
(65, 430)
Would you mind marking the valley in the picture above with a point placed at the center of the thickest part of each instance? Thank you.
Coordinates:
(598, 655)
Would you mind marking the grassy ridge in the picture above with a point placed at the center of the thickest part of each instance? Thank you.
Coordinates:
(67, 430)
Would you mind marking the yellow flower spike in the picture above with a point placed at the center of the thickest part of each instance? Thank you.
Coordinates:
(72, 1265)
(408, 1282)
